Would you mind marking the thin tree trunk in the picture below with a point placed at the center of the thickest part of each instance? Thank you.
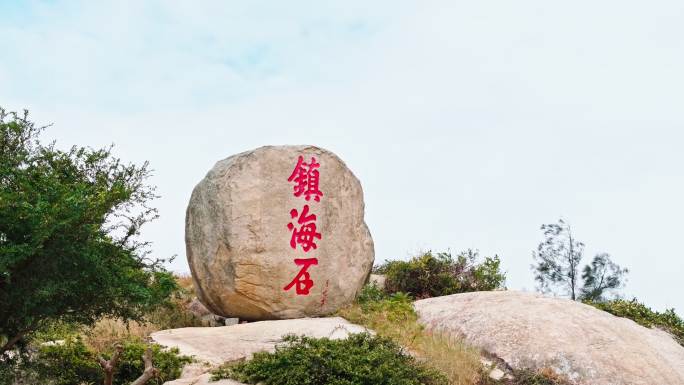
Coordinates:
(572, 267)
(12, 341)
(149, 372)
(109, 366)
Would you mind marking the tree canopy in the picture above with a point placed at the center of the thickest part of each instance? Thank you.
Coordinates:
(557, 261)
(69, 234)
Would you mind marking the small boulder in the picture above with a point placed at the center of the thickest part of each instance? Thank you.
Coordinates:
(231, 321)
(197, 308)
(378, 280)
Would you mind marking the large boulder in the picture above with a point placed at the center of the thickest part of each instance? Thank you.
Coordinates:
(587, 345)
(278, 232)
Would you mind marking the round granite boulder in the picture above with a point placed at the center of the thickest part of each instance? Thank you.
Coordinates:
(278, 232)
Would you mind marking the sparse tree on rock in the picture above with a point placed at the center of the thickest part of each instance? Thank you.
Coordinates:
(557, 259)
(557, 266)
(600, 276)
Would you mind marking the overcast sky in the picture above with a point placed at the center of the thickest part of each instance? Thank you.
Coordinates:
(469, 123)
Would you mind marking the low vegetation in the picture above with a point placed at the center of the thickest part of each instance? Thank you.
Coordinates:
(540, 377)
(68, 353)
(643, 315)
(401, 352)
(73, 362)
(361, 359)
(433, 275)
(393, 316)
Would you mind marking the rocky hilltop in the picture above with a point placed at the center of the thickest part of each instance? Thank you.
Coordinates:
(588, 346)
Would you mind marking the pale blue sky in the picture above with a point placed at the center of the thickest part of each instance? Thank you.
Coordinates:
(468, 123)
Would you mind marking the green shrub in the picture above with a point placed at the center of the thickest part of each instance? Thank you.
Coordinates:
(643, 315)
(371, 293)
(67, 364)
(392, 316)
(74, 363)
(432, 275)
(131, 365)
(362, 359)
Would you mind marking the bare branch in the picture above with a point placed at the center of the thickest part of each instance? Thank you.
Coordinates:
(12, 341)
(109, 366)
(150, 370)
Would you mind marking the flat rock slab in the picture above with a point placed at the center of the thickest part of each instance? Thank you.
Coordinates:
(587, 345)
(217, 345)
(204, 379)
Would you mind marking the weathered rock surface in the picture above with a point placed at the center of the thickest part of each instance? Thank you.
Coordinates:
(378, 280)
(198, 309)
(239, 244)
(204, 379)
(212, 347)
(585, 344)
(229, 343)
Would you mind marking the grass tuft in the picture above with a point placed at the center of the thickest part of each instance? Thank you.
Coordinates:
(393, 316)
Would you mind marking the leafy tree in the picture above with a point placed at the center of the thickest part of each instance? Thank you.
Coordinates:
(69, 227)
(557, 258)
(600, 276)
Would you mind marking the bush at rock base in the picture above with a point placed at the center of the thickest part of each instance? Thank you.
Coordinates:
(74, 363)
(432, 275)
(644, 316)
(85, 344)
(361, 359)
(393, 316)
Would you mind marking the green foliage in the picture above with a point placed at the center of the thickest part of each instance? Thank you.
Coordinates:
(371, 293)
(54, 331)
(643, 315)
(432, 275)
(173, 314)
(69, 222)
(362, 359)
(67, 364)
(601, 276)
(392, 316)
(396, 306)
(12, 369)
(169, 363)
(74, 363)
(557, 260)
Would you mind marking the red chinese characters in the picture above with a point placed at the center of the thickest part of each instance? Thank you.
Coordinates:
(304, 233)
(306, 179)
(302, 282)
